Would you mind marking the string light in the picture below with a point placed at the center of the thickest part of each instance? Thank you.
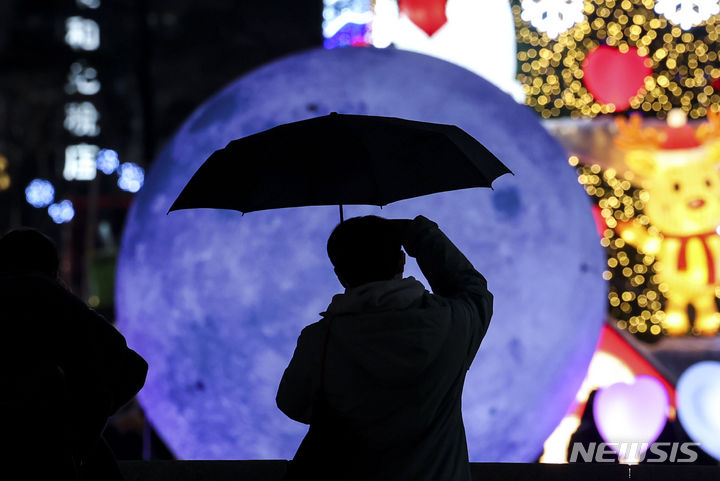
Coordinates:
(635, 297)
(685, 63)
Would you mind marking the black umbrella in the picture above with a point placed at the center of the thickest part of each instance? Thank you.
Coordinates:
(339, 159)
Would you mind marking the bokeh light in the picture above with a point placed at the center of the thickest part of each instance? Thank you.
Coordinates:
(62, 212)
(40, 193)
(131, 177)
(107, 161)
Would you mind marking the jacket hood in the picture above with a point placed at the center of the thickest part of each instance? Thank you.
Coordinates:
(391, 329)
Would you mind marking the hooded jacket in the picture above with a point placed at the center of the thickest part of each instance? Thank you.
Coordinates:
(394, 358)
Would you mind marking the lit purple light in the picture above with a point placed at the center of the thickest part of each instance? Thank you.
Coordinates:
(631, 413)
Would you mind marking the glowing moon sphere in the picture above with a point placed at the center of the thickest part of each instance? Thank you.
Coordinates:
(215, 300)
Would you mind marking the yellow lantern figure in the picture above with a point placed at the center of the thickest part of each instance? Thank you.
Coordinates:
(679, 167)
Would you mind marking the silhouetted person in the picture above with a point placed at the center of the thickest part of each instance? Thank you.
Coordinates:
(65, 368)
(588, 433)
(380, 377)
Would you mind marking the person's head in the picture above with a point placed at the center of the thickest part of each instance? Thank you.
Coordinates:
(28, 251)
(365, 249)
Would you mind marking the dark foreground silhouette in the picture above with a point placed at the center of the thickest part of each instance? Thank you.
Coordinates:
(65, 369)
(380, 377)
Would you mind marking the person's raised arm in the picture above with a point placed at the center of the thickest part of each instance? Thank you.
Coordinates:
(447, 270)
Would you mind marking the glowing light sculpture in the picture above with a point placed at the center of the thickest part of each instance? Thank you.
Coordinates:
(678, 168)
(631, 416)
(687, 13)
(215, 300)
(698, 398)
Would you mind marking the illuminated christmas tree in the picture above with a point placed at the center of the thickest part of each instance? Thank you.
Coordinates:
(677, 47)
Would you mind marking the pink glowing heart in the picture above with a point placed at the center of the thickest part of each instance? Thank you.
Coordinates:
(632, 413)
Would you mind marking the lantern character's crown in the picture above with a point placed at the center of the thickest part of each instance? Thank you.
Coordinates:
(676, 135)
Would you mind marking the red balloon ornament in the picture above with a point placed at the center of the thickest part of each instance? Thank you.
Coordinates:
(429, 15)
(613, 77)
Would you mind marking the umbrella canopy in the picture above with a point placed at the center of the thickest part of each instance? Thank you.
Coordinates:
(339, 159)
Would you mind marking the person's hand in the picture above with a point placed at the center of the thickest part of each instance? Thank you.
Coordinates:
(399, 227)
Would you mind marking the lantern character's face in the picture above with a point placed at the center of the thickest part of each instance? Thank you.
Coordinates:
(683, 188)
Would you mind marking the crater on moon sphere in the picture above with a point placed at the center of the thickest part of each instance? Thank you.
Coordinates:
(215, 300)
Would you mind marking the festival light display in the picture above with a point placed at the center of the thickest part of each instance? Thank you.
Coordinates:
(616, 360)
(682, 191)
(684, 62)
(82, 118)
(660, 226)
(83, 156)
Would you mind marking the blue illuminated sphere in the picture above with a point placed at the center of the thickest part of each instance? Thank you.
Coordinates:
(215, 300)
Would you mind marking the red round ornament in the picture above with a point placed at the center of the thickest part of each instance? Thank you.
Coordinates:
(613, 77)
